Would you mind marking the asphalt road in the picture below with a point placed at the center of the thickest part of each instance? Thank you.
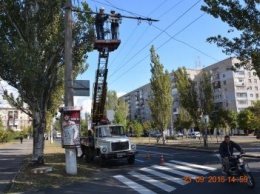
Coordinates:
(11, 160)
(154, 175)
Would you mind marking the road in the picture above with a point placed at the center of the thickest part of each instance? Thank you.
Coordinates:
(154, 175)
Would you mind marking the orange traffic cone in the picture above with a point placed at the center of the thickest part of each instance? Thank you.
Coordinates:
(148, 156)
(162, 160)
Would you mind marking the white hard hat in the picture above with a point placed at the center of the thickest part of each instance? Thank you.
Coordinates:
(102, 8)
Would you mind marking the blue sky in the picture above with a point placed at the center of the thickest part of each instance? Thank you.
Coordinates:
(179, 39)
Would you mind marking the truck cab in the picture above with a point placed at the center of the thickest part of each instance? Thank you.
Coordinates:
(109, 142)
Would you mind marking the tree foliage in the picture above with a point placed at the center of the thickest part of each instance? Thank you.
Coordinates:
(135, 128)
(121, 112)
(32, 43)
(247, 120)
(188, 95)
(244, 17)
(111, 101)
(206, 93)
(160, 99)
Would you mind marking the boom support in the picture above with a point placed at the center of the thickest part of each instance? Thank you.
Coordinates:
(100, 85)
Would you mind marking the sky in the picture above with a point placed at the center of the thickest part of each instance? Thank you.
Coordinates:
(179, 38)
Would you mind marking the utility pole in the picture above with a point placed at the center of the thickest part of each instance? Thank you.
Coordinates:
(70, 153)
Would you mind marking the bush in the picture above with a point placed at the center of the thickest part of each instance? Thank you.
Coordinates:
(3, 136)
(171, 137)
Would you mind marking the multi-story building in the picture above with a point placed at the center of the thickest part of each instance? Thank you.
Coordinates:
(14, 119)
(234, 90)
(137, 103)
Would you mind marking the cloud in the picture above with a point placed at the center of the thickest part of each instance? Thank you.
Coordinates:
(119, 94)
(85, 102)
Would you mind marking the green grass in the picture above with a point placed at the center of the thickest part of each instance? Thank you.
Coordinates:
(54, 157)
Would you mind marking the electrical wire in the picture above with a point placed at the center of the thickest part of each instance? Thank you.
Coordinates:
(132, 48)
(158, 48)
(159, 35)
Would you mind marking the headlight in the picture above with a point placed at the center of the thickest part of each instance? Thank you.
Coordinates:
(104, 149)
(133, 146)
(240, 160)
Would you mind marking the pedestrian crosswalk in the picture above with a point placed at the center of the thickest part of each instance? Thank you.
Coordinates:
(166, 177)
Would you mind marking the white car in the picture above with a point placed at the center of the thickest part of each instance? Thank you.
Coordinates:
(179, 134)
(195, 134)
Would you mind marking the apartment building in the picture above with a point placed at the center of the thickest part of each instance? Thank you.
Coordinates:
(234, 90)
(138, 104)
(14, 119)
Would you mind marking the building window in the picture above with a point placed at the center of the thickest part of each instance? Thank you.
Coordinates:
(256, 88)
(251, 95)
(242, 102)
(241, 95)
(257, 95)
(249, 88)
(240, 73)
(224, 83)
(254, 73)
(223, 75)
(255, 80)
(249, 80)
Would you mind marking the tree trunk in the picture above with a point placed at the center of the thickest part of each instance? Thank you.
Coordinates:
(38, 139)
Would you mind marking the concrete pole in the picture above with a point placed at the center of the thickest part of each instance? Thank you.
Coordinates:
(70, 154)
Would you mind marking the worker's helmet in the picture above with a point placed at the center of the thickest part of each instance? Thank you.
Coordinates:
(112, 11)
(102, 8)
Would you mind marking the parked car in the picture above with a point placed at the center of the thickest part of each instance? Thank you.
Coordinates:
(195, 134)
(179, 134)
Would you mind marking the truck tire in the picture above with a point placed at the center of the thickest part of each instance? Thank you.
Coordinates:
(131, 159)
(102, 160)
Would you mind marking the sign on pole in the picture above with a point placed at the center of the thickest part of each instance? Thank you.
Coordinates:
(70, 126)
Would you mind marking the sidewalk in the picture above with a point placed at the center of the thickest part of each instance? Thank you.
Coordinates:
(12, 157)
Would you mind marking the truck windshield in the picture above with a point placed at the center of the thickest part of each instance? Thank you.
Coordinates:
(117, 130)
(109, 131)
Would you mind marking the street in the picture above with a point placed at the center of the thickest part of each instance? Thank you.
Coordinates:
(164, 170)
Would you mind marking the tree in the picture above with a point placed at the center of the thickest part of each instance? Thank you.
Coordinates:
(135, 128)
(160, 99)
(111, 101)
(184, 120)
(121, 112)
(206, 93)
(243, 16)
(246, 120)
(188, 95)
(32, 56)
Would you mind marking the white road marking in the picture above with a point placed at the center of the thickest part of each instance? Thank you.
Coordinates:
(194, 165)
(154, 182)
(174, 171)
(186, 168)
(135, 186)
(165, 176)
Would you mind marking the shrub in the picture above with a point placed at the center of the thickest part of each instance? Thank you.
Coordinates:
(171, 137)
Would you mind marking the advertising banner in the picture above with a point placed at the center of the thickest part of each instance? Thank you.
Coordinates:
(70, 127)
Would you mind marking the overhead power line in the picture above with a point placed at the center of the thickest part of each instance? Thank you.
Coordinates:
(171, 37)
(158, 35)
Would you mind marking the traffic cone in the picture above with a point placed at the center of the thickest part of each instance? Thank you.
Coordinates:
(162, 160)
(148, 156)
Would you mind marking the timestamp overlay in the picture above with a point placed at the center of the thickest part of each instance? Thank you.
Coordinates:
(214, 179)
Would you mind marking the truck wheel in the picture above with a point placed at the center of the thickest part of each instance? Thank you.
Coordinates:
(131, 159)
(102, 160)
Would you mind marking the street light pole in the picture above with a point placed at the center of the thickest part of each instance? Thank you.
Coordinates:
(70, 154)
